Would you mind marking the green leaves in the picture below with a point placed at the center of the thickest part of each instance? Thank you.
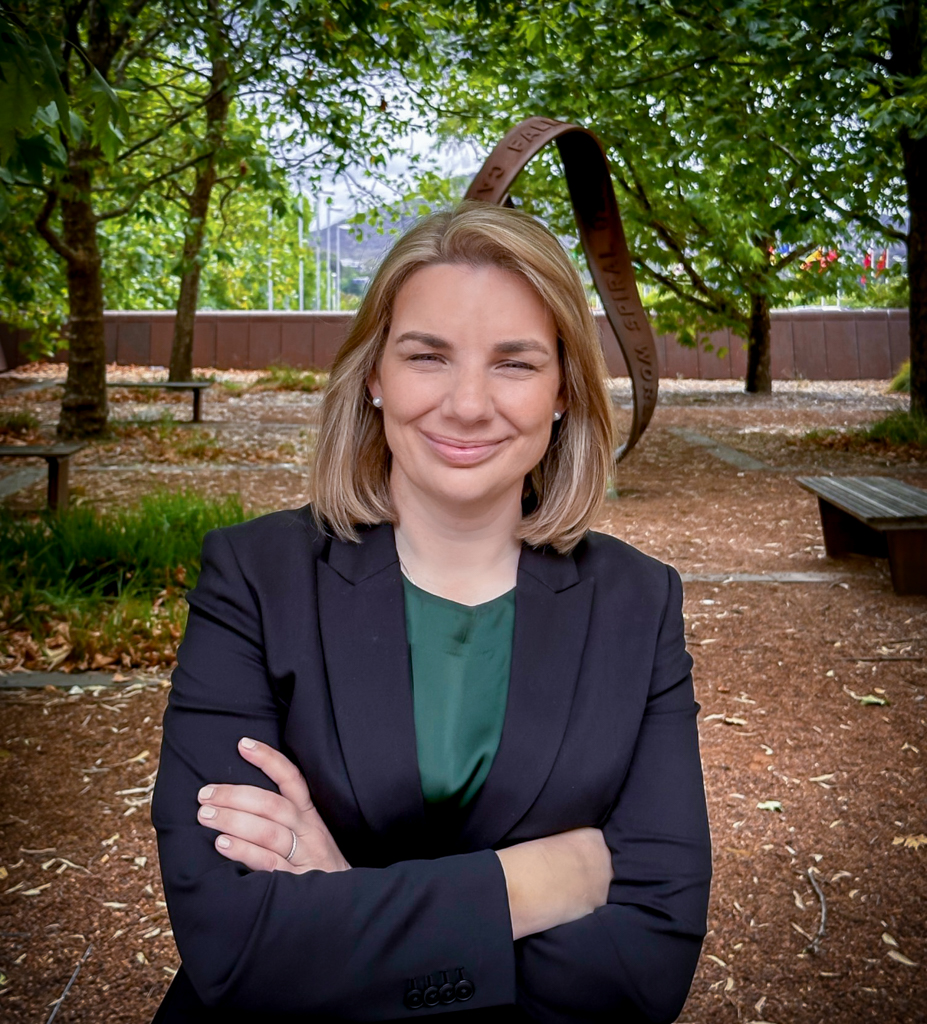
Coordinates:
(29, 82)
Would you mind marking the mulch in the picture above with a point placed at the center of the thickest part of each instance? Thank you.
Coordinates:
(812, 726)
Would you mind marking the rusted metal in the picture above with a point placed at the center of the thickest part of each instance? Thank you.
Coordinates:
(596, 210)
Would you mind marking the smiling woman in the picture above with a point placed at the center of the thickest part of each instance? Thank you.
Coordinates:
(469, 384)
(431, 740)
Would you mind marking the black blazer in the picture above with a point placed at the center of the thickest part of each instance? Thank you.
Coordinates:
(299, 640)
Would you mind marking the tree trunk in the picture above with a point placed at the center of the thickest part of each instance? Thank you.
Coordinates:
(217, 109)
(83, 408)
(759, 377)
(915, 170)
(907, 43)
(187, 301)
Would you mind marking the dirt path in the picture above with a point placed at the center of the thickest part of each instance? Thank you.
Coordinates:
(813, 741)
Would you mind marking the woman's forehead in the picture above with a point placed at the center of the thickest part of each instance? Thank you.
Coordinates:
(449, 300)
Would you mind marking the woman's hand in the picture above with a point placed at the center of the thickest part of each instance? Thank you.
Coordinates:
(257, 827)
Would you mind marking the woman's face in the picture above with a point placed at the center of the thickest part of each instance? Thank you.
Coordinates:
(470, 379)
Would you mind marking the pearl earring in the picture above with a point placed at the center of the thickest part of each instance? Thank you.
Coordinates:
(377, 402)
(557, 414)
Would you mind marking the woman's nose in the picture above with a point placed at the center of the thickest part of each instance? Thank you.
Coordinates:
(468, 397)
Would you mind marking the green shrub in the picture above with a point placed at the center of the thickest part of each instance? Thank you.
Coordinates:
(18, 422)
(902, 379)
(92, 589)
(92, 554)
(898, 428)
(280, 377)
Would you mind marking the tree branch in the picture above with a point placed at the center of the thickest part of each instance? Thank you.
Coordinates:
(121, 211)
(718, 309)
(49, 234)
(125, 26)
(133, 51)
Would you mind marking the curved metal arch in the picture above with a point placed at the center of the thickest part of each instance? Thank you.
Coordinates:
(600, 229)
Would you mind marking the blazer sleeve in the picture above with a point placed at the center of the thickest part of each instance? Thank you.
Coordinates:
(634, 959)
(345, 943)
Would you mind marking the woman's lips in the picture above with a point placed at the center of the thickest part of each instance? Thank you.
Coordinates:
(461, 453)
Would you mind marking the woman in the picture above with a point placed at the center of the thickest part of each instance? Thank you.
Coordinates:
(431, 744)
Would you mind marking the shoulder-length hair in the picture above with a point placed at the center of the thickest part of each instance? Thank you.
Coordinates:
(564, 492)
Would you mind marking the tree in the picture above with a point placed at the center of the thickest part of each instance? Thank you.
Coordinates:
(859, 68)
(85, 175)
(307, 75)
(719, 216)
(315, 74)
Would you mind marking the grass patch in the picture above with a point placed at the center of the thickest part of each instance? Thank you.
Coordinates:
(899, 433)
(166, 440)
(898, 428)
(92, 588)
(280, 377)
(20, 422)
(902, 380)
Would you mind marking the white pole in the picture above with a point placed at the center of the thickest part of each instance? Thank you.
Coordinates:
(328, 256)
(302, 280)
(338, 268)
(270, 268)
(318, 253)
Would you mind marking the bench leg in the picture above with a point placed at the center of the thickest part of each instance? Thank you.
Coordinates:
(58, 483)
(844, 534)
(907, 559)
(197, 394)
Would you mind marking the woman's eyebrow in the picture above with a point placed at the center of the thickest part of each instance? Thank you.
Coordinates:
(511, 347)
(427, 339)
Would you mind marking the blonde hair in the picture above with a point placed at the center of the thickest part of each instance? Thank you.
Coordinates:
(564, 492)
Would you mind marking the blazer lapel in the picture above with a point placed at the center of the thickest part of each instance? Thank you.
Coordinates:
(363, 628)
(552, 609)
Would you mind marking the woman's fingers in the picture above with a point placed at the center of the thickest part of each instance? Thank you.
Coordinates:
(253, 799)
(255, 858)
(279, 769)
(259, 825)
(274, 838)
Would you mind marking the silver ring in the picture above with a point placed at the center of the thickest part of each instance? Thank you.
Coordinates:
(289, 856)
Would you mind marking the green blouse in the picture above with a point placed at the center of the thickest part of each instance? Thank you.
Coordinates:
(461, 656)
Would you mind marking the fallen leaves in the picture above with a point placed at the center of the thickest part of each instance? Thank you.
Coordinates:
(726, 719)
(868, 698)
(36, 890)
(910, 842)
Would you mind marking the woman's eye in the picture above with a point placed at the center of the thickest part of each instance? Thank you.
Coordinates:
(512, 365)
(424, 357)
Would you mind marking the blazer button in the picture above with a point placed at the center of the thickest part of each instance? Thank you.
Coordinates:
(446, 993)
(463, 990)
(431, 995)
(413, 998)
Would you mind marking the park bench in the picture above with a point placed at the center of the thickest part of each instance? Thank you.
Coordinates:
(57, 456)
(196, 386)
(875, 515)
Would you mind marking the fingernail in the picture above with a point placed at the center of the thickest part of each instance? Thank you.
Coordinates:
(248, 743)
(224, 842)
(206, 792)
(207, 812)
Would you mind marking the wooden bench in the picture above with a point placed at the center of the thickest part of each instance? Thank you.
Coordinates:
(57, 456)
(875, 515)
(196, 386)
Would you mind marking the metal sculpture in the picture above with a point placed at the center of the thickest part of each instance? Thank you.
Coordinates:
(596, 210)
